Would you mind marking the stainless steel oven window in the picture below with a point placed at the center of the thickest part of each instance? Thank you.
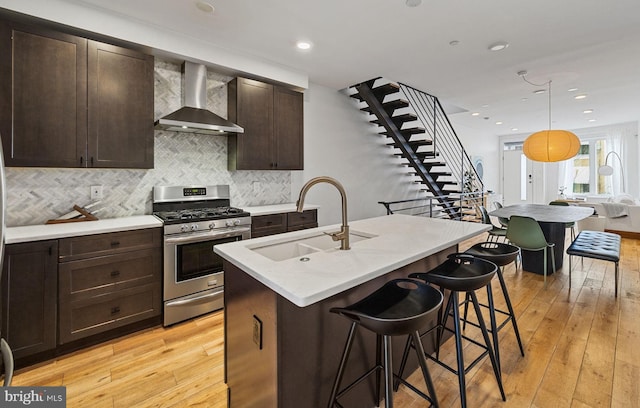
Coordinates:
(197, 259)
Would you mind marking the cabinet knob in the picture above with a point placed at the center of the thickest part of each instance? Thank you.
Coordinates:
(115, 243)
(115, 310)
(115, 273)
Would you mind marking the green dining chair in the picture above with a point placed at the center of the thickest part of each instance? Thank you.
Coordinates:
(526, 233)
(571, 225)
(495, 231)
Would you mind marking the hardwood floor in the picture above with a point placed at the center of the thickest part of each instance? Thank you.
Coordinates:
(579, 343)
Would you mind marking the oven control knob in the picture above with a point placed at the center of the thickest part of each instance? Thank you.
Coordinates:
(184, 228)
(229, 223)
(212, 225)
(194, 227)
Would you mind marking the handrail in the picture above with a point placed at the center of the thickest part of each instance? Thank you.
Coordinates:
(429, 111)
(431, 205)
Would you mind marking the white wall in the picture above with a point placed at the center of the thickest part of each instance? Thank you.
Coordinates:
(340, 143)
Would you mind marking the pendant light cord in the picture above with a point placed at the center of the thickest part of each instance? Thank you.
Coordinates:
(523, 75)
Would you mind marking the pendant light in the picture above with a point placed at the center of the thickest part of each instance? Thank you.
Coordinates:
(550, 145)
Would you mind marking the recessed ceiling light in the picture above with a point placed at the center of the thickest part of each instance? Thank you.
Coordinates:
(587, 111)
(303, 45)
(514, 129)
(498, 123)
(581, 96)
(539, 91)
(485, 106)
(454, 43)
(572, 89)
(524, 99)
(499, 46)
(592, 120)
(475, 114)
(204, 6)
(413, 3)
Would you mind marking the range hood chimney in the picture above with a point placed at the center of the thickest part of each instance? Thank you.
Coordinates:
(193, 117)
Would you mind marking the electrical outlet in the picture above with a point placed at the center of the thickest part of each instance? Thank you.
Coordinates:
(257, 187)
(96, 192)
(257, 332)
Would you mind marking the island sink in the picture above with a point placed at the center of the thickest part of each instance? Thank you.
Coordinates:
(301, 247)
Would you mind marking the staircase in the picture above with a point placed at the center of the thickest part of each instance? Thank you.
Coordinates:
(420, 133)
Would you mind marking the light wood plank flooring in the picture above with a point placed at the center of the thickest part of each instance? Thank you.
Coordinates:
(580, 346)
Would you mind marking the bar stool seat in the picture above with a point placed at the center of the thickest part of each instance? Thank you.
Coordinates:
(399, 307)
(500, 254)
(462, 273)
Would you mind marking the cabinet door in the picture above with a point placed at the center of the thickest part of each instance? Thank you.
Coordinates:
(120, 87)
(253, 110)
(288, 129)
(29, 297)
(43, 97)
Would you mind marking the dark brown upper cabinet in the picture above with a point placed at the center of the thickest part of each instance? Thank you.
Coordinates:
(66, 101)
(120, 107)
(272, 118)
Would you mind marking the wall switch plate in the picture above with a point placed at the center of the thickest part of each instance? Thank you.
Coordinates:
(96, 192)
(257, 332)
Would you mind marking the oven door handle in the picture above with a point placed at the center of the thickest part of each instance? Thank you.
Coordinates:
(207, 236)
(195, 299)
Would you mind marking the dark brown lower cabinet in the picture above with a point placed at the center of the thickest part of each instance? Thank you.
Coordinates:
(106, 292)
(270, 224)
(29, 297)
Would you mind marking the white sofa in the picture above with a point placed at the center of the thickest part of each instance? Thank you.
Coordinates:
(629, 223)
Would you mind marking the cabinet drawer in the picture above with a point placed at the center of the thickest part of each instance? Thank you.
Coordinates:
(110, 243)
(105, 274)
(268, 224)
(305, 219)
(95, 315)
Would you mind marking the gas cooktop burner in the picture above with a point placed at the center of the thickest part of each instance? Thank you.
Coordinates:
(201, 214)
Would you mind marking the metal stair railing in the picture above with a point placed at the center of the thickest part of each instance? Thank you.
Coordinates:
(446, 143)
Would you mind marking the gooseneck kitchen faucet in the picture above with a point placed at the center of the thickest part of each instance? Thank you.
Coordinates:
(343, 234)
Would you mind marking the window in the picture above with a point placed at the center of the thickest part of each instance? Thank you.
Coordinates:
(581, 172)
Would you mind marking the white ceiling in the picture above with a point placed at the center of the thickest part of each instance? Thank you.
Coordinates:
(592, 45)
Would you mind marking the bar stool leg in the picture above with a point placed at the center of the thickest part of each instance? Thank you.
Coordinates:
(343, 361)
(485, 334)
(388, 372)
(494, 325)
(512, 314)
(423, 365)
(460, 358)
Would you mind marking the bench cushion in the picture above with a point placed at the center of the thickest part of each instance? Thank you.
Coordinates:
(596, 244)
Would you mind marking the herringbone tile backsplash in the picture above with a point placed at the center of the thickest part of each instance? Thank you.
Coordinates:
(35, 195)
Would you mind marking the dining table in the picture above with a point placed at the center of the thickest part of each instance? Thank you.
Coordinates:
(552, 220)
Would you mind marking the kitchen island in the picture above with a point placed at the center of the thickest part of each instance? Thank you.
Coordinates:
(282, 345)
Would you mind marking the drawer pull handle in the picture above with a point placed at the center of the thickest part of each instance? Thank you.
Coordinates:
(115, 243)
(115, 310)
(115, 273)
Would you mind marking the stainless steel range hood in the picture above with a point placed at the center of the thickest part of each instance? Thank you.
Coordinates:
(193, 117)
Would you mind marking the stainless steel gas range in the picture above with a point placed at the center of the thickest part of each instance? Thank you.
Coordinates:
(196, 218)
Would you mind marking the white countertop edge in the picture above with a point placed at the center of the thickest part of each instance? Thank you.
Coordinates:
(29, 233)
(374, 272)
(276, 208)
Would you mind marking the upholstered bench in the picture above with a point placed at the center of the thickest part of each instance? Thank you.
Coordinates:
(597, 245)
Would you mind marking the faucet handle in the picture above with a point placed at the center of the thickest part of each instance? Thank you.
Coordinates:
(334, 235)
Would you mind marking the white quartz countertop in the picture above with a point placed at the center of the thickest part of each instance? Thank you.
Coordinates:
(276, 208)
(29, 233)
(396, 240)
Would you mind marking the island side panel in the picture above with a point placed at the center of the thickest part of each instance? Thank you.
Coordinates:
(250, 368)
(311, 340)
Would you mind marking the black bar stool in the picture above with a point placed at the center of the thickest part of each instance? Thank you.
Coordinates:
(500, 254)
(399, 307)
(461, 273)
